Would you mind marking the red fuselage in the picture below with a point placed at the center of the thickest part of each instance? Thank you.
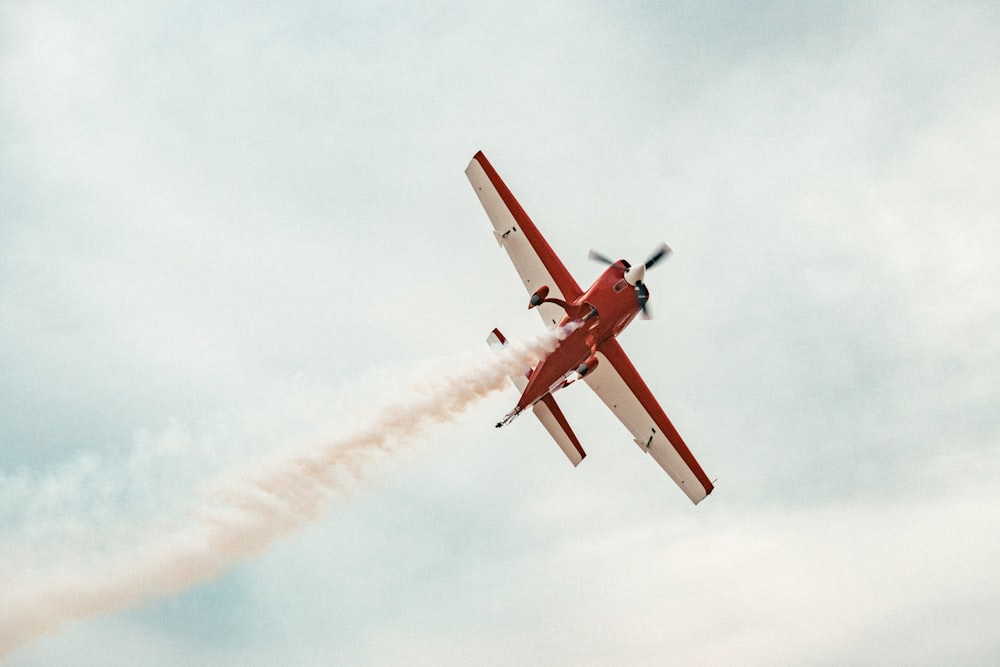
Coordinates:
(615, 303)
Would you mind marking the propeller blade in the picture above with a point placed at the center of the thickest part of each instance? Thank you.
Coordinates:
(662, 252)
(598, 257)
(642, 296)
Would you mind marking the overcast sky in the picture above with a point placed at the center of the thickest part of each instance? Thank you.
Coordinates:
(229, 231)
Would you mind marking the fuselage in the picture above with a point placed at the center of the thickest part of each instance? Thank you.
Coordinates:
(601, 312)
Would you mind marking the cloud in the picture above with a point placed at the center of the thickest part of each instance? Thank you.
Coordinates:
(203, 203)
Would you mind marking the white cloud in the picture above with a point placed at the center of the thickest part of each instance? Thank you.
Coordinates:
(201, 203)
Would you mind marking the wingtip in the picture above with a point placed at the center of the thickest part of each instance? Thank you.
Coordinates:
(479, 159)
(708, 492)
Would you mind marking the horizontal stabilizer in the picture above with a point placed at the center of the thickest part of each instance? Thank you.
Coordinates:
(555, 423)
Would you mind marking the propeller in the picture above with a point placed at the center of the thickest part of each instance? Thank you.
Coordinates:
(635, 275)
(660, 253)
(642, 296)
(598, 257)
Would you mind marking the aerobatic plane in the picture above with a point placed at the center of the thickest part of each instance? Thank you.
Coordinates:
(593, 318)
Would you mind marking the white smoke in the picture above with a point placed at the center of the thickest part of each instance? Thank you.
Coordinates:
(240, 513)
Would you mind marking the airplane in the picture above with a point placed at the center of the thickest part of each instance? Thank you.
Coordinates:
(592, 319)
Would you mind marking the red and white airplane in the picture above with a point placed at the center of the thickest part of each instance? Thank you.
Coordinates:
(590, 350)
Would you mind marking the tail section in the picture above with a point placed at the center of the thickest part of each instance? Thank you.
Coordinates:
(546, 410)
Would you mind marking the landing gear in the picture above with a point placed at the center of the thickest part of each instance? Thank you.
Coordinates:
(588, 366)
(542, 296)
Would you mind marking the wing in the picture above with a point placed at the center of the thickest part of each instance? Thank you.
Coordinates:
(618, 384)
(532, 256)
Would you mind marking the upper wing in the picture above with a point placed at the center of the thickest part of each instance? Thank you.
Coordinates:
(534, 260)
(618, 384)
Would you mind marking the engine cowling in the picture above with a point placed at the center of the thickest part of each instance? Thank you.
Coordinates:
(587, 367)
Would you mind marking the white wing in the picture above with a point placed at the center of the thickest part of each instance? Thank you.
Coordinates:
(619, 385)
(533, 258)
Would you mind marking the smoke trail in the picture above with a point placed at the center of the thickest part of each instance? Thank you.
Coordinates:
(244, 512)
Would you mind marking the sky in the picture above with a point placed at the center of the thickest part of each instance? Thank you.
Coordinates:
(237, 236)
